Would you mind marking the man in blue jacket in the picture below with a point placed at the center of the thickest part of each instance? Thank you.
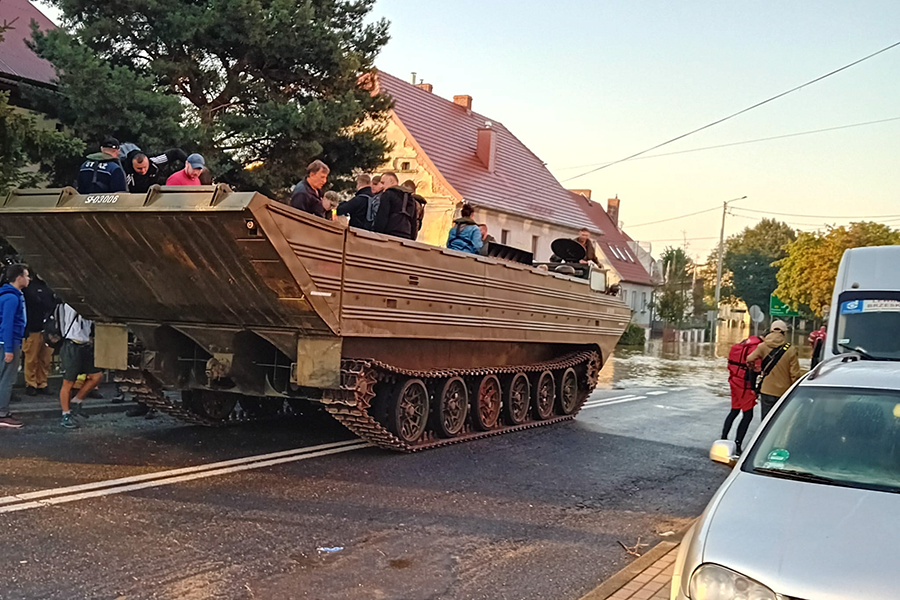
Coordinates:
(102, 172)
(12, 331)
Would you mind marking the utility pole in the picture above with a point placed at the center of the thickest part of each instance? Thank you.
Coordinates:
(712, 330)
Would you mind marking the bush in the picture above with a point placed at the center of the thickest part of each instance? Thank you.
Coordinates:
(633, 336)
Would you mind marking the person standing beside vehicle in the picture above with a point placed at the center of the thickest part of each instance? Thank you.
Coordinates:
(778, 363)
(77, 358)
(12, 331)
(39, 303)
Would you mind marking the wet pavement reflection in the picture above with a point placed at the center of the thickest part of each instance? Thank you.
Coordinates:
(682, 364)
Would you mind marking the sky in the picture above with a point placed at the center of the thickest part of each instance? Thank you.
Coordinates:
(584, 83)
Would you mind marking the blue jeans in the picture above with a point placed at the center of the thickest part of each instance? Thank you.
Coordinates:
(8, 372)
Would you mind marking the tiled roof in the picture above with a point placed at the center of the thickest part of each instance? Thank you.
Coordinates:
(17, 59)
(447, 133)
(614, 243)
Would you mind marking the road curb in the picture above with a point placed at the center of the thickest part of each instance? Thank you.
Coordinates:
(54, 410)
(631, 570)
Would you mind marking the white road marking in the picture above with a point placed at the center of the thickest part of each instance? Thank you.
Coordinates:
(664, 407)
(678, 389)
(657, 393)
(611, 402)
(138, 482)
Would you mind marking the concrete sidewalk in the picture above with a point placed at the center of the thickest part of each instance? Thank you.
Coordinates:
(48, 404)
(648, 578)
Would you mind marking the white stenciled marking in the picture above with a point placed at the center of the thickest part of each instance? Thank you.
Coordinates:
(657, 393)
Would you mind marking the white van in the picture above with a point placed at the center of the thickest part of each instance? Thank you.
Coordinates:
(865, 307)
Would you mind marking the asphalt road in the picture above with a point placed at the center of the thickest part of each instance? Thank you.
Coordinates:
(532, 515)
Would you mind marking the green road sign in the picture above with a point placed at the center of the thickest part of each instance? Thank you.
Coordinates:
(777, 308)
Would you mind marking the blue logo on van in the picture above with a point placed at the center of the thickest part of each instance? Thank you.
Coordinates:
(851, 307)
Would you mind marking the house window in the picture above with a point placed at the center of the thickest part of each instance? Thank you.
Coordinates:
(615, 252)
(625, 296)
(535, 240)
(504, 237)
(405, 166)
(643, 301)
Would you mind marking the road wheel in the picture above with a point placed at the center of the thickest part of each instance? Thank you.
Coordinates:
(408, 416)
(486, 403)
(544, 396)
(568, 392)
(518, 399)
(452, 406)
(214, 405)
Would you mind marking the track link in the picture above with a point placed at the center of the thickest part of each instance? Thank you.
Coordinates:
(352, 403)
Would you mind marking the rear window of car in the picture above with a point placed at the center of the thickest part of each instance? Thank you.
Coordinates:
(848, 436)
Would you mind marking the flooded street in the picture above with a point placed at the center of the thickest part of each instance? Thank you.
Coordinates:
(681, 364)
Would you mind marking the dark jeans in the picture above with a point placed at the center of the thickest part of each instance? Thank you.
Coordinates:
(8, 372)
(742, 426)
(767, 402)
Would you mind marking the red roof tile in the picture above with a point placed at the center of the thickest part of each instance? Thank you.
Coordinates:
(614, 243)
(17, 59)
(447, 133)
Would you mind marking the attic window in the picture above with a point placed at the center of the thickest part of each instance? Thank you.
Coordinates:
(628, 254)
(615, 252)
(405, 166)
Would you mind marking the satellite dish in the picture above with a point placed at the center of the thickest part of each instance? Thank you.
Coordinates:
(568, 250)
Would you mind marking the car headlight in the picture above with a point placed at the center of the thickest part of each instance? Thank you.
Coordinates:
(712, 582)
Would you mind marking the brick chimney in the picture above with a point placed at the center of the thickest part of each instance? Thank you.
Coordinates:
(486, 149)
(425, 86)
(464, 101)
(612, 209)
(585, 193)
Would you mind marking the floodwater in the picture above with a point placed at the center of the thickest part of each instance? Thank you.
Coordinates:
(681, 364)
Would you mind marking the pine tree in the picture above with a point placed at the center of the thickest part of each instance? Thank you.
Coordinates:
(265, 85)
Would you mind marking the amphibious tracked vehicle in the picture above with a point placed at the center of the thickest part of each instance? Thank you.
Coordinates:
(216, 306)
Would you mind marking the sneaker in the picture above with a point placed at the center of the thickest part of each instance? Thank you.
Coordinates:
(31, 391)
(11, 422)
(138, 411)
(68, 421)
(77, 409)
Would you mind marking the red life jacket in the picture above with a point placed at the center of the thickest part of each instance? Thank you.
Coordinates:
(739, 374)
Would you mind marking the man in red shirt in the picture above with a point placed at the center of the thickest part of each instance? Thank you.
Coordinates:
(190, 174)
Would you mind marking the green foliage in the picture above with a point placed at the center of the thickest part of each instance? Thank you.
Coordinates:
(260, 87)
(633, 336)
(675, 298)
(749, 258)
(807, 273)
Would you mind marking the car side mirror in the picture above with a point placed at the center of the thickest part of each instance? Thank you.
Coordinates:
(723, 452)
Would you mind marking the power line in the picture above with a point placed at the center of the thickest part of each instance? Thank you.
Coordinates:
(699, 212)
(740, 112)
(753, 141)
(768, 212)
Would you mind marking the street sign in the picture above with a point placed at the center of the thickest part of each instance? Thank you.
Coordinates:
(756, 314)
(777, 308)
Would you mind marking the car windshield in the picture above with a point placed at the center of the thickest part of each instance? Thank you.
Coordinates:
(869, 325)
(848, 436)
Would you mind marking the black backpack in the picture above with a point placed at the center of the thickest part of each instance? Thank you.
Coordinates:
(372, 206)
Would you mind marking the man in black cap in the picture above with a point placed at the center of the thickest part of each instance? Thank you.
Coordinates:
(102, 172)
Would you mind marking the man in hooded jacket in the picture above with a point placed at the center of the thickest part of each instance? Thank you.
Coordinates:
(465, 235)
(12, 332)
(142, 171)
(779, 363)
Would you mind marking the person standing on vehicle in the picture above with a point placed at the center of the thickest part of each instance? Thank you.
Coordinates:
(12, 331)
(77, 358)
(465, 235)
(357, 207)
(102, 173)
(307, 195)
(39, 303)
(397, 210)
(778, 363)
(190, 174)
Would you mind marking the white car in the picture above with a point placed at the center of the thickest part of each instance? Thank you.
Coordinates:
(811, 510)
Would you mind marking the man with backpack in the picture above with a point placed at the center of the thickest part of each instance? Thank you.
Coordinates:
(397, 210)
(76, 356)
(778, 363)
(358, 206)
